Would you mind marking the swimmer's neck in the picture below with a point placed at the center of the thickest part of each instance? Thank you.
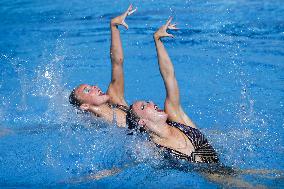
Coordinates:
(162, 133)
(107, 113)
(101, 110)
(159, 130)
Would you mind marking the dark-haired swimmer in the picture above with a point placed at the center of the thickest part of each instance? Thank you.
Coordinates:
(112, 103)
(171, 129)
(174, 132)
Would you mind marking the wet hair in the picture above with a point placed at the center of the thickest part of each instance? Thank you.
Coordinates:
(74, 100)
(132, 120)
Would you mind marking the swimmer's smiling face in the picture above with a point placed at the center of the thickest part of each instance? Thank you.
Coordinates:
(91, 95)
(149, 112)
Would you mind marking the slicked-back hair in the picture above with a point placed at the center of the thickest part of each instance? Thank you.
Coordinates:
(132, 120)
(74, 100)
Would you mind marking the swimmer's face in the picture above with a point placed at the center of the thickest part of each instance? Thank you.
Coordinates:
(91, 95)
(148, 111)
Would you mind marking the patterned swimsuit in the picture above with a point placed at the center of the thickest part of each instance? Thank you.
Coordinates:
(201, 146)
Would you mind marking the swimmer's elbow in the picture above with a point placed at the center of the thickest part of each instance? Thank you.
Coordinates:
(117, 60)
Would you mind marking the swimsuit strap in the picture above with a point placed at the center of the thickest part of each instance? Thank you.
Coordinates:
(117, 106)
(120, 107)
(193, 134)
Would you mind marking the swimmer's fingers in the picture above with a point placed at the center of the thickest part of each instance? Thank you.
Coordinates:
(169, 35)
(128, 12)
(168, 22)
(162, 31)
(120, 20)
(170, 26)
(129, 9)
(124, 24)
(173, 27)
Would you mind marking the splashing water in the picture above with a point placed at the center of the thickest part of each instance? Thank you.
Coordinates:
(228, 58)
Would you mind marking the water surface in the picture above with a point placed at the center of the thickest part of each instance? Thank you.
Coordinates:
(228, 58)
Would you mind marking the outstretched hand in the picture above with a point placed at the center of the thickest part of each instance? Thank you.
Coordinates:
(120, 20)
(162, 31)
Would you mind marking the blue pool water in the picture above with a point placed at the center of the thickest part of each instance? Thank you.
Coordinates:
(229, 62)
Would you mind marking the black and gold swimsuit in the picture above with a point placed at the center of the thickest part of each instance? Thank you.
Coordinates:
(202, 148)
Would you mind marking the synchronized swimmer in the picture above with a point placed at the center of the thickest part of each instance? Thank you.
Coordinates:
(91, 98)
(171, 129)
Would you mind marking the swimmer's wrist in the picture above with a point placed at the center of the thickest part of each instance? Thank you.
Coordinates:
(156, 37)
(113, 23)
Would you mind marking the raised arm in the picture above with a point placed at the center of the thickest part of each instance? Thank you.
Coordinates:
(116, 86)
(172, 103)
